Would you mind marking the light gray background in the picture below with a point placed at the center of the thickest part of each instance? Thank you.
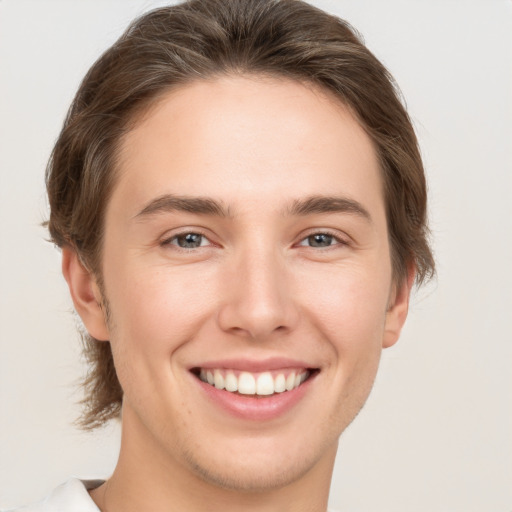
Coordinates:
(436, 432)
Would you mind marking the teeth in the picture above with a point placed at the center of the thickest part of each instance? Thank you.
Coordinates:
(218, 379)
(246, 383)
(290, 381)
(231, 382)
(265, 384)
(280, 384)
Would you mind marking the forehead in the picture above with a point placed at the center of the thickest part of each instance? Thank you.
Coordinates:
(238, 138)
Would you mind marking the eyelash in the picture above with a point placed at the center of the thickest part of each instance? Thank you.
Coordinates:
(334, 236)
(173, 240)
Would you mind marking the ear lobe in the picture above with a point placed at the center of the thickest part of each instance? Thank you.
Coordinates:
(85, 293)
(398, 309)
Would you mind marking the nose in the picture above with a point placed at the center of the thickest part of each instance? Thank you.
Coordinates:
(258, 302)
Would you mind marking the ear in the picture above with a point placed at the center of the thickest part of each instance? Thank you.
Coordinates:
(85, 293)
(398, 309)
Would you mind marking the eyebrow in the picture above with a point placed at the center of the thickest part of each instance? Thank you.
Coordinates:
(328, 204)
(208, 206)
(172, 203)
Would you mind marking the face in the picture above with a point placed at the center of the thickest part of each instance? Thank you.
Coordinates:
(246, 265)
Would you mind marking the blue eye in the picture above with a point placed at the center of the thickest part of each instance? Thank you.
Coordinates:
(189, 240)
(320, 240)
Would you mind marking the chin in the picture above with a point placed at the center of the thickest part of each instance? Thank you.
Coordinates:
(261, 464)
(252, 476)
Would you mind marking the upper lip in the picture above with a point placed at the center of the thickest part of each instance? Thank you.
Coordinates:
(254, 365)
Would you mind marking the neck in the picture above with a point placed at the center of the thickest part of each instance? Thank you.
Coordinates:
(148, 478)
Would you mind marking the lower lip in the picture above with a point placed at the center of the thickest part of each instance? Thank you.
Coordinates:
(248, 407)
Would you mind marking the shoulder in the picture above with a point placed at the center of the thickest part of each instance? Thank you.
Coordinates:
(71, 496)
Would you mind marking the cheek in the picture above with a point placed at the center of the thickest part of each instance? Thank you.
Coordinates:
(153, 315)
(348, 306)
(350, 314)
(155, 312)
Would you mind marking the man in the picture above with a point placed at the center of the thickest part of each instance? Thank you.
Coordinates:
(241, 207)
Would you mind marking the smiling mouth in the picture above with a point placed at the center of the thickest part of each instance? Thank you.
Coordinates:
(254, 384)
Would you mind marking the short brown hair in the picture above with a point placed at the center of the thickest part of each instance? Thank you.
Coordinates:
(199, 39)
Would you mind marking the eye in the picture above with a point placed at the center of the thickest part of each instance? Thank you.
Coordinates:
(320, 240)
(188, 240)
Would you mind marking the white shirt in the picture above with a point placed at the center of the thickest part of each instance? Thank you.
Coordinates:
(71, 496)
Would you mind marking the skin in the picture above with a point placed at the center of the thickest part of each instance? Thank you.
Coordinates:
(255, 288)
